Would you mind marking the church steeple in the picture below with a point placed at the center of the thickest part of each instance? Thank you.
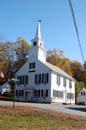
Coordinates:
(37, 49)
(37, 41)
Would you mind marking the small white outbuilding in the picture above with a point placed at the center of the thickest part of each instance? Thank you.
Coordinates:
(81, 97)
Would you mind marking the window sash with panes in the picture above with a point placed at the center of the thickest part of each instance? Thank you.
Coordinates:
(70, 84)
(64, 82)
(19, 93)
(83, 93)
(37, 93)
(44, 93)
(45, 78)
(32, 65)
(70, 95)
(58, 79)
(22, 79)
(38, 79)
(58, 94)
(41, 78)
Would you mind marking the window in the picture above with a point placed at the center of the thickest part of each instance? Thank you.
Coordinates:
(26, 94)
(45, 78)
(32, 65)
(57, 93)
(26, 79)
(37, 79)
(22, 79)
(19, 92)
(41, 78)
(40, 44)
(82, 93)
(22, 92)
(47, 93)
(36, 93)
(70, 84)
(64, 82)
(58, 79)
(35, 43)
(44, 93)
(70, 95)
(16, 92)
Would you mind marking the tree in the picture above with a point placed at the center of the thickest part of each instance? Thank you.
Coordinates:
(65, 65)
(22, 48)
(55, 52)
(3, 61)
(55, 57)
(83, 76)
(79, 86)
(76, 68)
(9, 52)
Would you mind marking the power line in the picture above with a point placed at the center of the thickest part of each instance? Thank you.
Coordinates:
(76, 29)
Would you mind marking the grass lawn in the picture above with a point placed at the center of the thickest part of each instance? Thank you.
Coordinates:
(27, 118)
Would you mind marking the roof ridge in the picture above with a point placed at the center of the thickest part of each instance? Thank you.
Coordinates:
(57, 69)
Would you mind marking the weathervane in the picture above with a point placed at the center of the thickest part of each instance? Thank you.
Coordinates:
(40, 20)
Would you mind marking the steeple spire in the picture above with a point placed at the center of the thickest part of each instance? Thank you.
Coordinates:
(37, 41)
(38, 32)
(37, 48)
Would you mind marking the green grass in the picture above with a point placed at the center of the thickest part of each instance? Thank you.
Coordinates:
(26, 118)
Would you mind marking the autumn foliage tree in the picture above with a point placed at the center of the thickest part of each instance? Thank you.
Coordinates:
(56, 57)
(21, 48)
(12, 57)
(76, 68)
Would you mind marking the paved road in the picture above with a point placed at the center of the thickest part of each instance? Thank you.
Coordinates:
(70, 109)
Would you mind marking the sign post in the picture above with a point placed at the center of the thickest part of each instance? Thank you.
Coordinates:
(15, 80)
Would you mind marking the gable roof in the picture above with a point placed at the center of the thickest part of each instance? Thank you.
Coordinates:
(58, 70)
(83, 90)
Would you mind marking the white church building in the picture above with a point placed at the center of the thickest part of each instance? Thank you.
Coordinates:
(40, 81)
